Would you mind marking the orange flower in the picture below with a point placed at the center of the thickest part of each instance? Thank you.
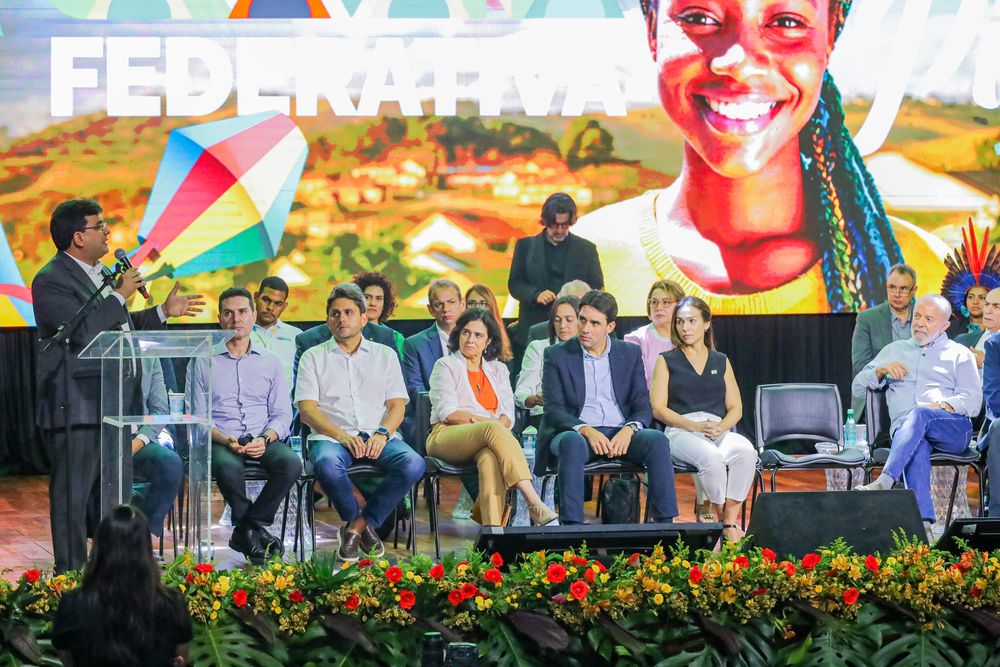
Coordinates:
(394, 574)
(556, 573)
(295, 596)
(850, 596)
(407, 599)
(352, 602)
(809, 561)
(240, 598)
(437, 571)
(579, 589)
(497, 560)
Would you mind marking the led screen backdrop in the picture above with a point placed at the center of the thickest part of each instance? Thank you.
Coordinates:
(710, 143)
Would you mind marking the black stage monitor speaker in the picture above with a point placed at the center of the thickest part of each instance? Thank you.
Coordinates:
(979, 534)
(799, 523)
(607, 539)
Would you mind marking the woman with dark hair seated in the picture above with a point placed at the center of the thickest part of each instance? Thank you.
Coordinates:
(381, 300)
(481, 296)
(562, 327)
(122, 616)
(472, 409)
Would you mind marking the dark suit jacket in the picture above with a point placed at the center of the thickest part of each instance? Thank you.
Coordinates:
(872, 332)
(420, 352)
(529, 276)
(319, 334)
(969, 339)
(58, 291)
(565, 390)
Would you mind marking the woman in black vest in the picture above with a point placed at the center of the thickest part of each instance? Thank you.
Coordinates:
(694, 392)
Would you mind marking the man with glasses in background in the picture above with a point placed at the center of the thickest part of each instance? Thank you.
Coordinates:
(543, 263)
(887, 322)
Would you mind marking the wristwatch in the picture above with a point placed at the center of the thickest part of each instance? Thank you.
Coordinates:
(382, 430)
(635, 427)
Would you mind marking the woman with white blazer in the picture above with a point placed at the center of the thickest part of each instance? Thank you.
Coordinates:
(472, 410)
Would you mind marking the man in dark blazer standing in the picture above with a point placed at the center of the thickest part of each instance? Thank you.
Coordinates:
(877, 327)
(597, 405)
(542, 264)
(58, 291)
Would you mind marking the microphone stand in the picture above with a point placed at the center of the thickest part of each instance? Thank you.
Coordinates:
(63, 337)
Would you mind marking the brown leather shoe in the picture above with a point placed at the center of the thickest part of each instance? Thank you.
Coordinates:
(350, 545)
(369, 541)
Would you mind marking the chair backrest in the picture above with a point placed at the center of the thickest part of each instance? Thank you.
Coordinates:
(810, 412)
(422, 422)
(877, 420)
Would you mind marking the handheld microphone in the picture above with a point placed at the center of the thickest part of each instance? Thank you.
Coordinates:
(244, 439)
(124, 261)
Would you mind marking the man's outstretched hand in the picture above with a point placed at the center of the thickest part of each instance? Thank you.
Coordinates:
(183, 305)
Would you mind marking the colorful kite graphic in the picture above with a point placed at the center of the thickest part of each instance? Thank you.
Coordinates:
(15, 297)
(222, 195)
(280, 9)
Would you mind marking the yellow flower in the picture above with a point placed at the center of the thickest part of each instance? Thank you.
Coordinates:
(605, 578)
(418, 579)
(183, 588)
(213, 616)
(891, 560)
(686, 563)
(409, 575)
(658, 599)
(818, 589)
(282, 582)
(676, 560)
(276, 567)
(277, 611)
(729, 595)
(216, 605)
(666, 588)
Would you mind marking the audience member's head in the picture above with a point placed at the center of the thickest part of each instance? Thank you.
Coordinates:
(991, 311)
(931, 316)
(900, 286)
(558, 215)
(481, 296)
(270, 300)
(975, 299)
(77, 224)
(445, 303)
(661, 301)
(346, 312)
(236, 311)
(379, 295)
(476, 334)
(575, 288)
(598, 315)
(692, 323)
(563, 319)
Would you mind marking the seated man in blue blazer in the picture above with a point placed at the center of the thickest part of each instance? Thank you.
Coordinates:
(991, 441)
(422, 350)
(597, 405)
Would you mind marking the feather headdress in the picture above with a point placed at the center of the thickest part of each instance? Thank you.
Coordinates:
(972, 264)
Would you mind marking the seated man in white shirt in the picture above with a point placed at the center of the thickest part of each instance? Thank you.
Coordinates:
(269, 331)
(350, 392)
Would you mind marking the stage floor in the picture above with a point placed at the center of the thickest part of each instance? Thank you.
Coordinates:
(26, 539)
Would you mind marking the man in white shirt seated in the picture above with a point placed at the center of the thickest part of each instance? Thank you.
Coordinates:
(269, 331)
(350, 392)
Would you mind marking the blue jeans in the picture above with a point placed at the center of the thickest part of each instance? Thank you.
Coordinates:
(402, 466)
(162, 469)
(649, 447)
(922, 431)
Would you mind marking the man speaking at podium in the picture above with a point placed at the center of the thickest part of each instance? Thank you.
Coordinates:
(59, 291)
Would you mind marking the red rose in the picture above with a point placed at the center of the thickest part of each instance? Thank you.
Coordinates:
(633, 560)
(760, 591)
(437, 571)
(352, 602)
(741, 562)
(579, 589)
(295, 596)
(469, 591)
(809, 561)
(407, 599)
(497, 560)
(977, 591)
(790, 569)
(189, 578)
(600, 566)
(768, 555)
(850, 596)
(695, 574)
(365, 562)
(455, 598)
(493, 576)
(204, 568)
(871, 563)
(394, 574)
(240, 598)
(582, 562)
(556, 573)
(588, 574)
(31, 575)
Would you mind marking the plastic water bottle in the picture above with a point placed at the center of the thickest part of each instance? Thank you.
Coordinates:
(850, 431)
(529, 436)
(295, 442)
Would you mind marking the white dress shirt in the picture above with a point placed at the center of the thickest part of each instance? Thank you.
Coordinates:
(96, 275)
(529, 381)
(452, 392)
(351, 390)
(444, 340)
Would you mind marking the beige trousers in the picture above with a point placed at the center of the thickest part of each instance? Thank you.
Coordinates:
(498, 457)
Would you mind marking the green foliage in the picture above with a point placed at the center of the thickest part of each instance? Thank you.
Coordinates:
(227, 645)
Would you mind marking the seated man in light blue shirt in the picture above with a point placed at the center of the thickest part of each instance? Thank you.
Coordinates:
(270, 332)
(933, 389)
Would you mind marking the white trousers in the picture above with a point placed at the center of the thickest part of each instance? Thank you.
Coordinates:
(725, 466)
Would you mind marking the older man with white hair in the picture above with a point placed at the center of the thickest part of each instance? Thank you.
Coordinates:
(933, 389)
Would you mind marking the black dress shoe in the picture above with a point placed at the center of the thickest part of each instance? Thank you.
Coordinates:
(369, 541)
(271, 543)
(350, 545)
(246, 542)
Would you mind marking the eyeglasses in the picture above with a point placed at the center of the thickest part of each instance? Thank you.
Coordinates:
(656, 303)
(103, 227)
(559, 225)
(471, 303)
(893, 289)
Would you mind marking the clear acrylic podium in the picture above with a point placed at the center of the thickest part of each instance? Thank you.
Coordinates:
(122, 409)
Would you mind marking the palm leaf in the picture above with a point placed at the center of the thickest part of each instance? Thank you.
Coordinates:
(227, 646)
(501, 647)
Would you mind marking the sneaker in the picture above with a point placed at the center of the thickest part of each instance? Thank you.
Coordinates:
(463, 510)
(369, 541)
(350, 545)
